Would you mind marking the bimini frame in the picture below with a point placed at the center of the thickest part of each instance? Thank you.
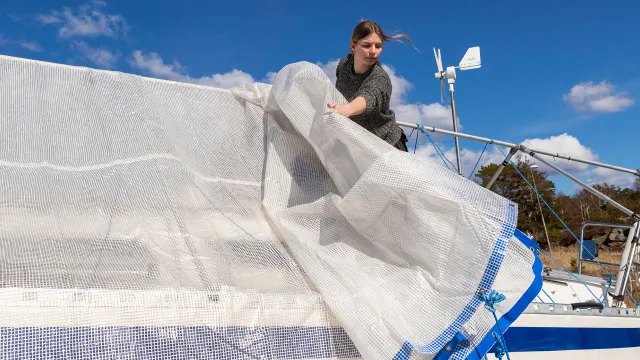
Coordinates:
(626, 261)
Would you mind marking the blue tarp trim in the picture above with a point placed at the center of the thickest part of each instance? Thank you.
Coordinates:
(405, 352)
(490, 273)
(451, 347)
(507, 319)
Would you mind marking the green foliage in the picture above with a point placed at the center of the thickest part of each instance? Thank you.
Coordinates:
(511, 185)
(558, 236)
(574, 210)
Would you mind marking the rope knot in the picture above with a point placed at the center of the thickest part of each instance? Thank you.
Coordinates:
(490, 300)
(499, 352)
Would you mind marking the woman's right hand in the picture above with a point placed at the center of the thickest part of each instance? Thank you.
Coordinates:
(339, 108)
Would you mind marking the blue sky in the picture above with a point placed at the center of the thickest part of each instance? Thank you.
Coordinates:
(560, 75)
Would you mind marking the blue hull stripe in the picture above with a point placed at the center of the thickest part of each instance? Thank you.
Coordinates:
(557, 339)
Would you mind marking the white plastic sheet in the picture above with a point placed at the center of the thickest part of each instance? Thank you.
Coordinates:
(143, 218)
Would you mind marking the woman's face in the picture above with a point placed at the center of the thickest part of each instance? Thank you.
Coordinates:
(367, 50)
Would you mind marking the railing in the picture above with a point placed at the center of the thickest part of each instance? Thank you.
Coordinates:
(580, 252)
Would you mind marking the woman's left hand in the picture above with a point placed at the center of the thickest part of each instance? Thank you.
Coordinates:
(342, 109)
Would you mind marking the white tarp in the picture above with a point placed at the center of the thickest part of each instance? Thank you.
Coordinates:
(142, 218)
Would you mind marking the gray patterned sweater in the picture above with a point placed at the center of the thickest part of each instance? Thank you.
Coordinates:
(374, 86)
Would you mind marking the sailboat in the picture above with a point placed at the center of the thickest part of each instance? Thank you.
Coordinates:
(573, 315)
(151, 219)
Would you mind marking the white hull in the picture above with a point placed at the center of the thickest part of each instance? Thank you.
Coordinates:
(551, 328)
(575, 335)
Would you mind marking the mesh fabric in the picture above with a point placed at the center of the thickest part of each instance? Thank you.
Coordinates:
(142, 218)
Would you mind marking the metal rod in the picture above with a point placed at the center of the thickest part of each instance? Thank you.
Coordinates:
(544, 224)
(595, 192)
(455, 128)
(504, 163)
(511, 145)
(600, 263)
(595, 223)
(626, 263)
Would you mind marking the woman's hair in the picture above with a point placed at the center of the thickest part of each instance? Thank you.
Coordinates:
(367, 27)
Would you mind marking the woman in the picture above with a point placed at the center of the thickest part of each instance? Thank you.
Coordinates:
(367, 86)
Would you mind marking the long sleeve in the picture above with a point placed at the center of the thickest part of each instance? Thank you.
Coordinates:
(376, 91)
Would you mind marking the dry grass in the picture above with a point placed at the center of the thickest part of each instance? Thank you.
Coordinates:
(568, 256)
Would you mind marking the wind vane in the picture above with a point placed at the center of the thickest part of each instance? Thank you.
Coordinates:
(470, 60)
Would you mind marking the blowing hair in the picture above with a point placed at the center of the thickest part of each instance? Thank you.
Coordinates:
(367, 27)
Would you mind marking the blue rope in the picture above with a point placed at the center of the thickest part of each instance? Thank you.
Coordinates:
(632, 298)
(550, 298)
(490, 300)
(551, 209)
(571, 274)
(435, 146)
(571, 232)
(604, 296)
(479, 157)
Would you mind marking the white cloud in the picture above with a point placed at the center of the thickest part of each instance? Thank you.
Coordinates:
(31, 46)
(563, 144)
(227, 80)
(269, 78)
(434, 114)
(400, 86)
(468, 157)
(28, 45)
(48, 19)
(588, 97)
(600, 175)
(154, 65)
(87, 20)
(329, 69)
(99, 56)
(14, 17)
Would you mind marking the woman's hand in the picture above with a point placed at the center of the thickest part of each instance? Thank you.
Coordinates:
(355, 107)
(342, 109)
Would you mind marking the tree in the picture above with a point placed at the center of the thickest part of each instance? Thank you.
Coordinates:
(574, 210)
(511, 185)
